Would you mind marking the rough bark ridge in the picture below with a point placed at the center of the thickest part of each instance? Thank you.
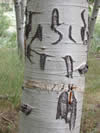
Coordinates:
(56, 57)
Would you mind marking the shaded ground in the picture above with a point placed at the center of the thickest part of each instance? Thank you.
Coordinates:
(8, 117)
(91, 113)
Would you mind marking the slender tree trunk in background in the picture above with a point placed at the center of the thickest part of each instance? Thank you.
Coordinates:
(20, 27)
(23, 7)
(93, 20)
(56, 34)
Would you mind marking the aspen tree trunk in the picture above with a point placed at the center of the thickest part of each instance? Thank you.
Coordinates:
(93, 20)
(56, 34)
(23, 7)
(19, 27)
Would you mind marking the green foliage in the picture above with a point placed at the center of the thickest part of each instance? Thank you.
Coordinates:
(6, 7)
(4, 24)
(11, 74)
(95, 45)
(91, 1)
(7, 38)
(93, 76)
(11, 43)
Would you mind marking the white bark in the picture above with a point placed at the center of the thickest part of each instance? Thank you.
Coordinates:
(20, 27)
(23, 7)
(56, 46)
(93, 20)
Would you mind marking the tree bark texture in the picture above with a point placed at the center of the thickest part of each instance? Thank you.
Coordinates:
(23, 7)
(56, 34)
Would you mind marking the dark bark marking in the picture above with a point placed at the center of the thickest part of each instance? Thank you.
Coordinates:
(54, 23)
(70, 34)
(28, 53)
(28, 26)
(26, 109)
(43, 58)
(35, 13)
(62, 87)
(62, 108)
(69, 63)
(38, 35)
(82, 33)
(87, 33)
(83, 69)
(67, 110)
(83, 29)
(22, 87)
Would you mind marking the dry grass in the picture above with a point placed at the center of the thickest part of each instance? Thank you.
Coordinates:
(8, 117)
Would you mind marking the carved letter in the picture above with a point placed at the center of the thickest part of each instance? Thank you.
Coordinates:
(54, 23)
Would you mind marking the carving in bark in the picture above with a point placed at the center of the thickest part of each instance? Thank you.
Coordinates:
(28, 26)
(54, 23)
(70, 34)
(38, 35)
(69, 66)
(42, 59)
(83, 29)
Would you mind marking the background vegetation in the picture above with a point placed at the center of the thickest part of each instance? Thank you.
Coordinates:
(11, 78)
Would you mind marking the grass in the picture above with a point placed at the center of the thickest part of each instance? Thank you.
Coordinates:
(91, 107)
(11, 73)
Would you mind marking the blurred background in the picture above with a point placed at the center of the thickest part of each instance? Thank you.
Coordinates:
(12, 73)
